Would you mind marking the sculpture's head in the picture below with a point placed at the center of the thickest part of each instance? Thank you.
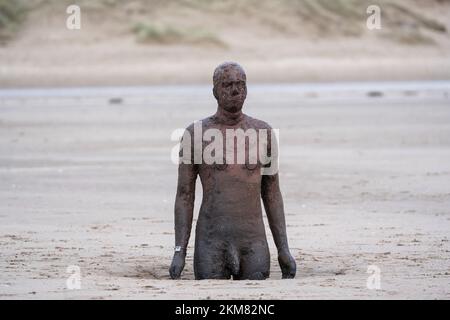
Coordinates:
(230, 86)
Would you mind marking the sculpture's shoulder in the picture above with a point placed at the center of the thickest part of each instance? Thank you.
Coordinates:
(203, 124)
(264, 128)
(256, 123)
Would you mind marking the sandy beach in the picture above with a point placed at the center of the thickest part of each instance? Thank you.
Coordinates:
(86, 180)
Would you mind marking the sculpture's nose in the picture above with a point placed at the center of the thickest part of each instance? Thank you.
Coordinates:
(235, 90)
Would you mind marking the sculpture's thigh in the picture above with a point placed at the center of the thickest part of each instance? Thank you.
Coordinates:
(254, 262)
(209, 260)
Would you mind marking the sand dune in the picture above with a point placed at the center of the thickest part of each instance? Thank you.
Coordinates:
(180, 42)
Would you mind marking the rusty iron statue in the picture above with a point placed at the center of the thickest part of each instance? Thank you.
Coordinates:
(230, 235)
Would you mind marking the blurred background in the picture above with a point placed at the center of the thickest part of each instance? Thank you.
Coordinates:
(139, 42)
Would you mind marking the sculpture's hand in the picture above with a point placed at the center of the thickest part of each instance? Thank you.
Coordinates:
(287, 264)
(177, 265)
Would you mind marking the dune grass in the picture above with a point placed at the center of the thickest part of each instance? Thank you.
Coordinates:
(163, 34)
(12, 13)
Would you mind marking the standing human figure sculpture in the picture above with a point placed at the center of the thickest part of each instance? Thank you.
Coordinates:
(230, 235)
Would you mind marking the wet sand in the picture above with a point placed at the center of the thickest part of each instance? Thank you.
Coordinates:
(86, 180)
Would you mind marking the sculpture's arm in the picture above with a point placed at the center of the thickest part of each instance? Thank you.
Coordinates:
(273, 203)
(184, 211)
(184, 203)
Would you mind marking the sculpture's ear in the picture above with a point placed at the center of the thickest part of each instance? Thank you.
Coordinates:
(215, 93)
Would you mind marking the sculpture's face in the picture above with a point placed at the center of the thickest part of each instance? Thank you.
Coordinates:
(231, 89)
